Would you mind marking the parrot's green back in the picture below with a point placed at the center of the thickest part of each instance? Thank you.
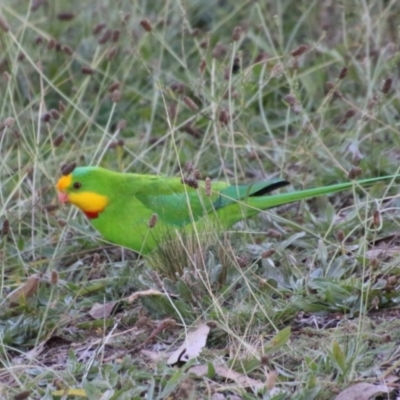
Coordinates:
(132, 200)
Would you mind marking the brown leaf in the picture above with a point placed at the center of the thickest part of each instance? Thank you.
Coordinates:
(101, 311)
(149, 292)
(192, 346)
(362, 391)
(224, 372)
(28, 289)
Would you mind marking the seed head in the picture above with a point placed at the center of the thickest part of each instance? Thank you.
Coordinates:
(355, 172)
(54, 278)
(54, 114)
(61, 106)
(65, 16)
(115, 35)
(300, 50)
(146, 25)
(116, 96)
(237, 33)
(3, 24)
(114, 86)
(340, 236)
(87, 70)
(153, 221)
(208, 186)
(58, 140)
(105, 37)
(67, 50)
(343, 73)
(98, 28)
(376, 218)
(387, 84)
(66, 169)
(6, 227)
(190, 103)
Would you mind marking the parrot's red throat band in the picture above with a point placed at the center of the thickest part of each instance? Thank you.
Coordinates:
(92, 214)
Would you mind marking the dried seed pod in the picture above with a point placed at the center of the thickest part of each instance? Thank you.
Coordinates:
(192, 131)
(115, 35)
(54, 278)
(190, 103)
(277, 70)
(273, 233)
(50, 207)
(267, 253)
(65, 16)
(95, 260)
(6, 227)
(112, 53)
(374, 263)
(237, 33)
(67, 50)
(236, 65)
(340, 236)
(190, 181)
(224, 117)
(293, 103)
(114, 86)
(350, 113)
(204, 43)
(376, 220)
(355, 172)
(202, 66)
(146, 25)
(36, 4)
(207, 188)
(262, 56)
(8, 122)
(220, 51)
(54, 114)
(58, 140)
(121, 125)
(116, 96)
(387, 84)
(172, 110)
(51, 44)
(243, 261)
(61, 106)
(3, 24)
(98, 28)
(343, 73)
(153, 221)
(113, 144)
(46, 117)
(300, 50)
(105, 37)
(177, 87)
(157, 280)
(66, 169)
(87, 70)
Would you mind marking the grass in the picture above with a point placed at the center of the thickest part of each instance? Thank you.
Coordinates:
(303, 298)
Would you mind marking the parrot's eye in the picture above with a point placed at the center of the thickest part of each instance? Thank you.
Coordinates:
(77, 185)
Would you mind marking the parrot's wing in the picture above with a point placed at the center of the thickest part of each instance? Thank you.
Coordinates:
(179, 204)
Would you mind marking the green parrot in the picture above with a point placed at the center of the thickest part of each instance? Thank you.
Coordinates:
(136, 211)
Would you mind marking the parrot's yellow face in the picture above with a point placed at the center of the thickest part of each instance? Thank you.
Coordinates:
(72, 190)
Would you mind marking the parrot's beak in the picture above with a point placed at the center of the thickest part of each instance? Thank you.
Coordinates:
(63, 197)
